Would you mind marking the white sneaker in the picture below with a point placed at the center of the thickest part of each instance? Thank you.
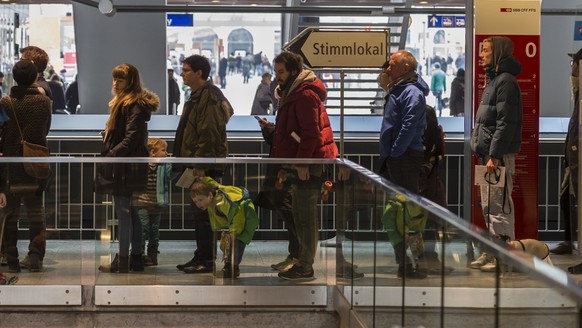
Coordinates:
(481, 261)
(489, 267)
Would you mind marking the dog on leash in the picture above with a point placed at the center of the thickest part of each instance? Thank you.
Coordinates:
(533, 247)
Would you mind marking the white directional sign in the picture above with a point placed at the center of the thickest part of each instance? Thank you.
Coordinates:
(332, 48)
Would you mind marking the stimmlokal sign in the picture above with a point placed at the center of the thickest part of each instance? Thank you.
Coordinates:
(340, 49)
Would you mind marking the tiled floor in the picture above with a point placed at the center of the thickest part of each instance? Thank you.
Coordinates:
(76, 262)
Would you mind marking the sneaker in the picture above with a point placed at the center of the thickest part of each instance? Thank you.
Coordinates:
(199, 268)
(349, 275)
(24, 263)
(188, 264)
(4, 280)
(297, 273)
(481, 261)
(285, 265)
(563, 248)
(411, 273)
(432, 266)
(489, 267)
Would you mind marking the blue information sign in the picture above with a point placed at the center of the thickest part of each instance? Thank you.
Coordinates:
(446, 21)
(180, 20)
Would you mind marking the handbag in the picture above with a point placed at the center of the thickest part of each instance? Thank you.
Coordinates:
(29, 149)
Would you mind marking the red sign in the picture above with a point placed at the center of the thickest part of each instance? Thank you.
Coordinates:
(518, 20)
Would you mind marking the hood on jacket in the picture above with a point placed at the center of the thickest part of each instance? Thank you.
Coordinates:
(148, 100)
(414, 78)
(311, 82)
(502, 58)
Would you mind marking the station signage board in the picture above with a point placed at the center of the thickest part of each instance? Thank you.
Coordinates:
(340, 48)
(519, 20)
(446, 21)
(180, 20)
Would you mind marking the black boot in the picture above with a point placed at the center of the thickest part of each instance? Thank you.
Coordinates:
(123, 264)
(136, 263)
(112, 268)
(153, 255)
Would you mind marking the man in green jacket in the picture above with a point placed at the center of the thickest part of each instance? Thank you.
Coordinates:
(202, 133)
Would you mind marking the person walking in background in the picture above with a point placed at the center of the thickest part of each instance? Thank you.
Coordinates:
(29, 113)
(401, 143)
(72, 96)
(458, 94)
(302, 130)
(173, 93)
(201, 133)
(496, 138)
(152, 202)
(262, 99)
(222, 67)
(438, 86)
(126, 135)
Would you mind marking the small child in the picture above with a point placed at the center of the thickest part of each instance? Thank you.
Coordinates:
(228, 207)
(152, 202)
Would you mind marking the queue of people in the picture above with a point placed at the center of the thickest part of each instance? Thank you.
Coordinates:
(302, 130)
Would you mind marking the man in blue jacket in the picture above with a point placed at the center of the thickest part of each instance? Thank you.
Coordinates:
(401, 147)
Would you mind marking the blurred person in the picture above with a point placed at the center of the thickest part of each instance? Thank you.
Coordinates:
(438, 86)
(126, 135)
(302, 130)
(222, 68)
(1, 84)
(29, 111)
(458, 94)
(262, 99)
(496, 138)
(173, 93)
(58, 91)
(72, 96)
(201, 133)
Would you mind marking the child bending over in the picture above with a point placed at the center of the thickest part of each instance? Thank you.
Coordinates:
(228, 208)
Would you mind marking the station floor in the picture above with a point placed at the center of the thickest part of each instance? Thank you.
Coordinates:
(76, 262)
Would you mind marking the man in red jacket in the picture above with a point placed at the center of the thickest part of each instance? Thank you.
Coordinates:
(302, 130)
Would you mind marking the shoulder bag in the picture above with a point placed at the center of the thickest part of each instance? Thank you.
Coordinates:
(35, 170)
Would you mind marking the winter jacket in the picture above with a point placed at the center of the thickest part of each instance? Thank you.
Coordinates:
(232, 209)
(202, 128)
(302, 111)
(498, 120)
(404, 117)
(33, 111)
(571, 144)
(128, 138)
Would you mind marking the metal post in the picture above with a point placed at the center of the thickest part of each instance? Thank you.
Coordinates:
(342, 77)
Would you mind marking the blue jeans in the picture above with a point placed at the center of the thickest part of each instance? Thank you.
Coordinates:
(150, 223)
(129, 225)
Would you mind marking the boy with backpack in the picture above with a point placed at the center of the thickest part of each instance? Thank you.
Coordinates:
(229, 208)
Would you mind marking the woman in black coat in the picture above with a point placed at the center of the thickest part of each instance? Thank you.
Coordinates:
(126, 135)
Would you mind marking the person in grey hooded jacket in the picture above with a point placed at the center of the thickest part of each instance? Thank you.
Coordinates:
(496, 138)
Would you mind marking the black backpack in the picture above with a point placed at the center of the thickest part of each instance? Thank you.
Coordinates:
(433, 139)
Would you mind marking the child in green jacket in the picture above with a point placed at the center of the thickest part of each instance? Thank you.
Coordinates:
(229, 208)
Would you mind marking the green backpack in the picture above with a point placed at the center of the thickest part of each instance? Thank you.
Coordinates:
(401, 218)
